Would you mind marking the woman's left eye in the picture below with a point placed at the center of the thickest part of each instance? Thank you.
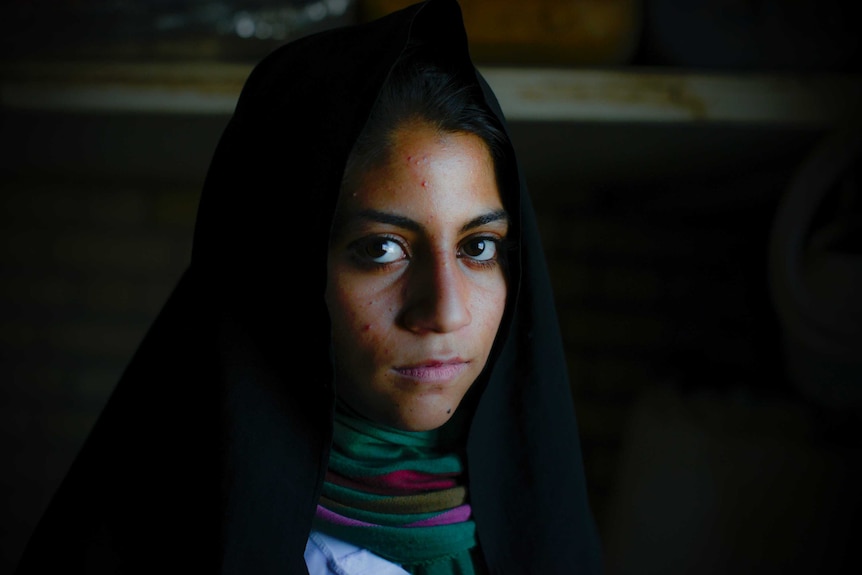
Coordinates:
(480, 249)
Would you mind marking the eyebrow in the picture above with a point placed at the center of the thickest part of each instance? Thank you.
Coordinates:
(413, 225)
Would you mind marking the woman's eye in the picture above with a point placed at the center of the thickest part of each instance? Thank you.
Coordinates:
(480, 249)
(382, 250)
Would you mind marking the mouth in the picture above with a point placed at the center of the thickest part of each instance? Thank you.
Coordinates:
(433, 370)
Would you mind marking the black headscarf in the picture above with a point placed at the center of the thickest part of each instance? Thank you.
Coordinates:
(210, 455)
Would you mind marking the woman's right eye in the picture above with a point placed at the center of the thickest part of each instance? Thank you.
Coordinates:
(380, 250)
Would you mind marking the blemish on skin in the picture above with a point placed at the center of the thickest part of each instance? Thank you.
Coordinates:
(424, 184)
(366, 327)
(449, 410)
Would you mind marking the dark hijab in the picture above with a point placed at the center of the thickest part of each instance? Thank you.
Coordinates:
(210, 455)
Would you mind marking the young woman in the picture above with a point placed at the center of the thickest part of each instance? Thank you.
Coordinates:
(361, 370)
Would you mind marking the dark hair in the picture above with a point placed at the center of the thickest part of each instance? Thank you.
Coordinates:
(421, 91)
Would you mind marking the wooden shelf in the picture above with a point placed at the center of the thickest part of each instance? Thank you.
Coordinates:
(629, 95)
(653, 95)
(571, 126)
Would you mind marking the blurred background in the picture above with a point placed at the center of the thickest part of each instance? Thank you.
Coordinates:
(696, 170)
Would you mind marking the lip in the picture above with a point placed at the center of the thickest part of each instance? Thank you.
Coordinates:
(433, 370)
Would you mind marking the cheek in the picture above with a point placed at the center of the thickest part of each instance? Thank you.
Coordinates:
(491, 320)
(492, 303)
(358, 320)
(492, 307)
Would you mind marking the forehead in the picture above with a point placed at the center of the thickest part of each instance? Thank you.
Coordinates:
(428, 175)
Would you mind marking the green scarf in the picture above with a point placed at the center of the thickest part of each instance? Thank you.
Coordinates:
(398, 494)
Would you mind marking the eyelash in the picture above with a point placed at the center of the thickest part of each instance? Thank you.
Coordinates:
(360, 255)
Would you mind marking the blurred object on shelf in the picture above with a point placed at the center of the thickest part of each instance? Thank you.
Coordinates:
(764, 35)
(162, 29)
(719, 482)
(539, 32)
(815, 272)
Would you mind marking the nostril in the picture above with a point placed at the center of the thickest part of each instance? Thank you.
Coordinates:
(438, 303)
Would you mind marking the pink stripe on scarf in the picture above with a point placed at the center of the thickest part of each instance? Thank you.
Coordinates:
(404, 482)
(454, 515)
(409, 480)
(333, 517)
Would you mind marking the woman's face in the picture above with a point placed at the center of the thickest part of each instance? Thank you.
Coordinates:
(415, 286)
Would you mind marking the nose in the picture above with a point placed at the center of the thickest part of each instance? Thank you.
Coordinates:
(436, 296)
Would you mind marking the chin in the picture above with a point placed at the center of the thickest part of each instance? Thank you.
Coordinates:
(409, 422)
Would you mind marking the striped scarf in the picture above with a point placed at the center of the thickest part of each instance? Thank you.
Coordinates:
(398, 495)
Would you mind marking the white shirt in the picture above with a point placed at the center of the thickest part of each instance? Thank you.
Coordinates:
(326, 555)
